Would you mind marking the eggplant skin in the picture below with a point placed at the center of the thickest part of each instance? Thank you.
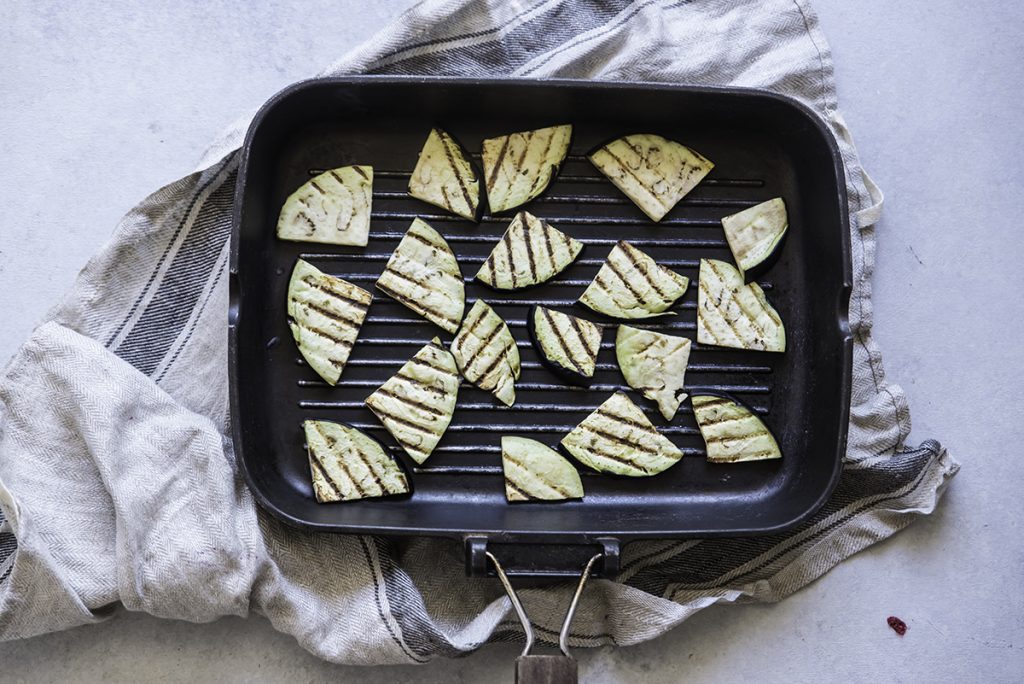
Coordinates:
(536, 472)
(732, 432)
(581, 375)
(347, 464)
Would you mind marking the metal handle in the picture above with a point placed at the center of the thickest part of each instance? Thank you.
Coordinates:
(545, 669)
(537, 561)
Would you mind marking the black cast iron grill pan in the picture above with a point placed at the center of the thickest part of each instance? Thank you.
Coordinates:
(763, 145)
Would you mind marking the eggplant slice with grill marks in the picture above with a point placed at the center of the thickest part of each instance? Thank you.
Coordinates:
(531, 252)
(445, 177)
(535, 471)
(325, 314)
(347, 464)
(733, 314)
(618, 438)
(486, 353)
(332, 208)
(630, 284)
(566, 344)
(755, 234)
(651, 170)
(731, 431)
(655, 365)
(423, 274)
(519, 166)
(416, 403)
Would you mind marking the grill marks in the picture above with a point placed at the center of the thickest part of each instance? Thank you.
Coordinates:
(331, 208)
(617, 438)
(655, 364)
(325, 316)
(445, 177)
(416, 404)
(529, 253)
(534, 471)
(652, 171)
(423, 275)
(565, 342)
(630, 284)
(346, 464)
(519, 166)
(731, 432)
(486, 353)
(733, 314)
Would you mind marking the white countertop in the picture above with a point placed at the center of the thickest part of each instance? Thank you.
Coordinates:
(103, 102)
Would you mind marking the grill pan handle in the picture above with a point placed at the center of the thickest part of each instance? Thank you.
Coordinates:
(540, 561)
(545, 669)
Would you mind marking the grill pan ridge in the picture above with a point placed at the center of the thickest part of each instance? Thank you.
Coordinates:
(763, 145)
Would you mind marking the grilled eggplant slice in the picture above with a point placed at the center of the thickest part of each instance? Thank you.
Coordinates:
(654, 364)
(519, 166)
(651, 170)
(486, 353)
(347, 464)
(630, 284)
(567, 345)
(332, 208)
(416, 403)
(732, 314)
(531, 252)
(755, 234)
(325, 314)
(617, 438)
(534, 471)
(423, 275)
(731, 432)
(445, 177)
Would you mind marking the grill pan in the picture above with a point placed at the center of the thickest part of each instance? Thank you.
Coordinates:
(764, 145)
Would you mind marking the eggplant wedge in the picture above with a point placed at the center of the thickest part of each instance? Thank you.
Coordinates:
(519, 166)
(630, 284)
(445, 177)
(347, 464)
(332, 208)
(731, 432)
(566, 344)
(325, 314)
(531, 252)
(534, 471)
(654, 364)
(416, 403)
(486, 353)
(733, 314)
(755, 234)
(651, 170)
(423, 274)
(617, 438)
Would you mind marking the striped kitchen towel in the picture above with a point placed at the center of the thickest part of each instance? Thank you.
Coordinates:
(117, 478)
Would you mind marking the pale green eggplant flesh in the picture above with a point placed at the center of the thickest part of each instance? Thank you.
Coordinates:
(535, 471)
(519, 166)
(422, 274)
(444, 176)
(567, 344)
(486, 353)
(733, 314)
(346, 464)
(652, 171)
(325, 314)
(655, 365)
(631, 285)
(416, 403)
(618, 438)
(754, 234)
(731, 432)
(531, 252)
(332, 208)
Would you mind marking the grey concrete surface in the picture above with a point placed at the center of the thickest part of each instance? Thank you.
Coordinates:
(102, 102)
